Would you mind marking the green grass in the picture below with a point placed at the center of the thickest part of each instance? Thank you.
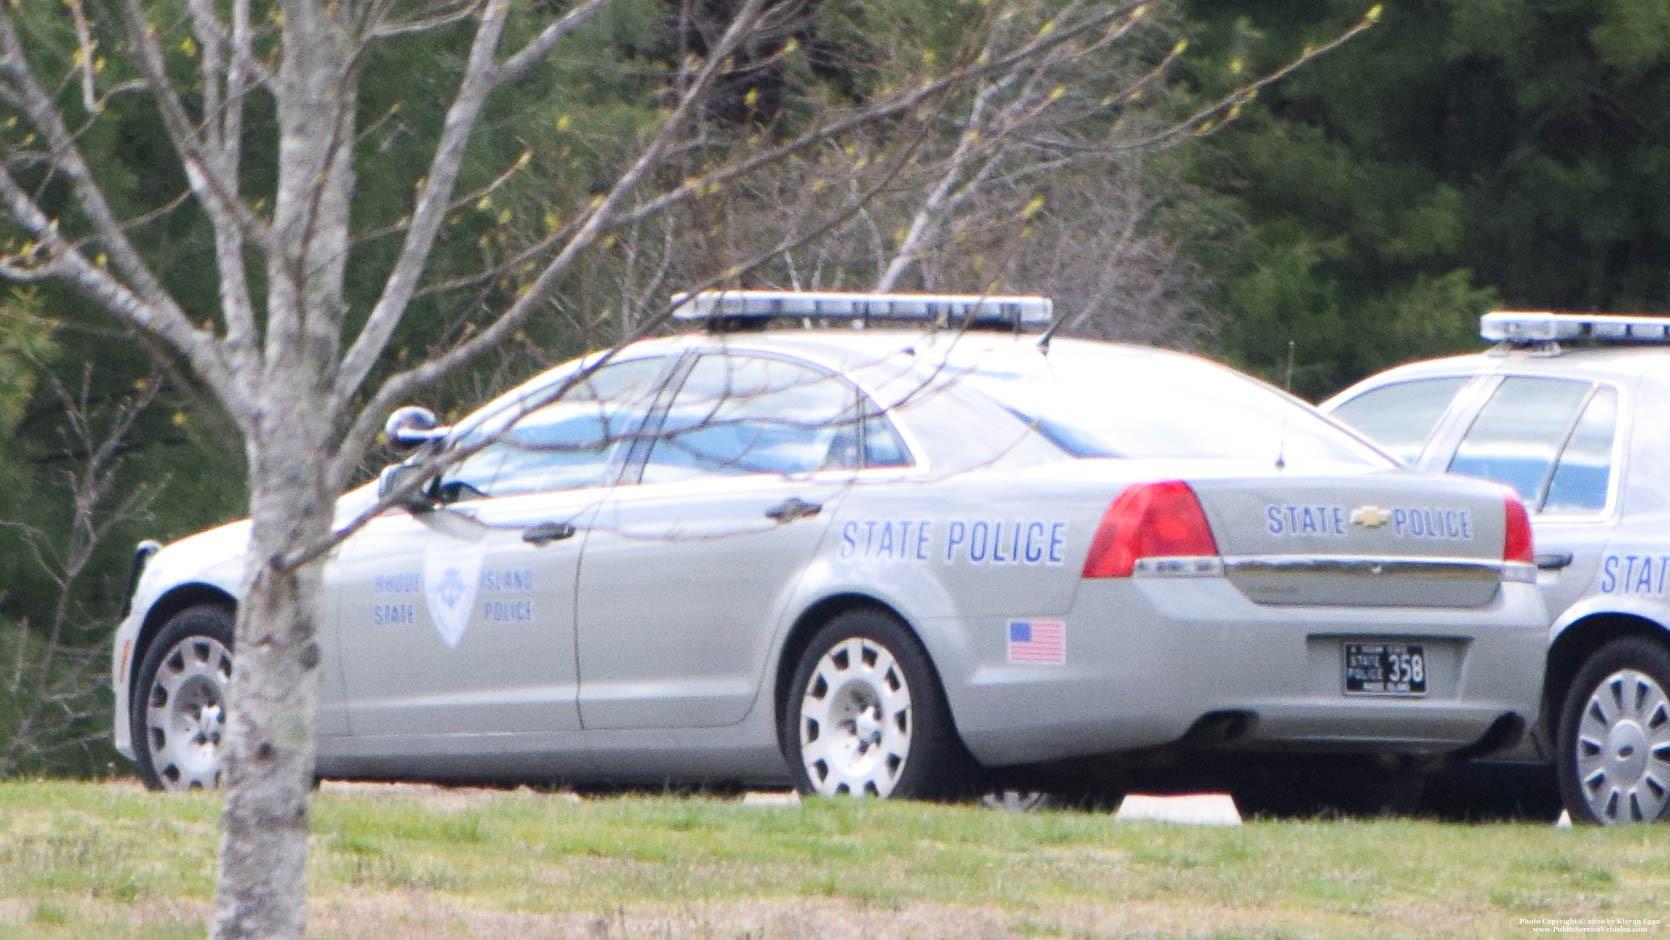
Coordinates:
(81, 860)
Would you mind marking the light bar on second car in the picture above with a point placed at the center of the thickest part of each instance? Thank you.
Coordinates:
(944, 309)
(1523, 327)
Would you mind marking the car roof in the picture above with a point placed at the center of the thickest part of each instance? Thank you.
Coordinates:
(1598, 362)
(854, 352)
(845, 349)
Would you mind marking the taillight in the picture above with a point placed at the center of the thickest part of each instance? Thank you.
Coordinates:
(1516, 540)
(1149, 520)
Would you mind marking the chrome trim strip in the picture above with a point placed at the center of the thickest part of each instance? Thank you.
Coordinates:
(1179, 567)
(1456, 569)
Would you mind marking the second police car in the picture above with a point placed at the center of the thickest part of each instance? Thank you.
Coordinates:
(875, 561)
(1569, 410)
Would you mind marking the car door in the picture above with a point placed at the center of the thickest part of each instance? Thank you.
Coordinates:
(686, 574)
(459, 620)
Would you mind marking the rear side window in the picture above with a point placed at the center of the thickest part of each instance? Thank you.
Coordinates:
(1399, 416)
(755, 414)
(1168, 405)
(1549, 439)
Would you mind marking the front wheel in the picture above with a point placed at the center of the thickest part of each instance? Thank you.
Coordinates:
(179, 701)
(865, 715)
(1613, 759)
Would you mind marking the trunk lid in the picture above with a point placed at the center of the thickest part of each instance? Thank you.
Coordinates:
(1374, 539)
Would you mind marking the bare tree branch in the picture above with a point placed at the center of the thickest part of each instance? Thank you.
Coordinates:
(437, 17)
(146, 305)
(603, 214)
(540, 46)
(54, 685)
(430, 209)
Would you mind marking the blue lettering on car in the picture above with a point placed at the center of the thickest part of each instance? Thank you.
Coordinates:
(382, 614)
(1436, 523)
(514, 580)
(511, 611)
(1034, 539)
(404, 582)
(956, 532)
(1022, 542)
(1294, 519)
(1416, 522)
(1634, 574)
(885, 540)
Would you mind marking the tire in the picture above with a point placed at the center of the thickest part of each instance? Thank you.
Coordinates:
(179, 701)
(865, 716)
(1613, 756)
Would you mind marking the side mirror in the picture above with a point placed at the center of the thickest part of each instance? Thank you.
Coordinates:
(412, 427)
(406, 486)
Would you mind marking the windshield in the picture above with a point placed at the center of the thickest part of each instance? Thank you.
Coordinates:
(1148, 403)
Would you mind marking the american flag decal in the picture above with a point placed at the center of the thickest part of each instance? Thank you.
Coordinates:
(1038, 641)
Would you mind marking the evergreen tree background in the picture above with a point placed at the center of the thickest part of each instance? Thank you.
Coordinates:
(1462, 155)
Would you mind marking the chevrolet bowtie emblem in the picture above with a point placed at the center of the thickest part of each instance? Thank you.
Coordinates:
(1370, 517)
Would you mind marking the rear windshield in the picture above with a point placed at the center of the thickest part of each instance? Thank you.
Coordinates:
(1148, 404)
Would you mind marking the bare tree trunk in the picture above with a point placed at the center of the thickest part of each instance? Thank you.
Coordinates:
(269, 751)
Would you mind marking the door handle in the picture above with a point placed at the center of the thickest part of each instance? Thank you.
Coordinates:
(1552, 561)
(548, 532)
(793, 508)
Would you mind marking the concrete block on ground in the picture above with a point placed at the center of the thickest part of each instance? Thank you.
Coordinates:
(1190, 809)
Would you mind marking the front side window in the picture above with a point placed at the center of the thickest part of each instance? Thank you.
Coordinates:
(571, 443)
(1399, 416)
(753, 414)
(1518, 435)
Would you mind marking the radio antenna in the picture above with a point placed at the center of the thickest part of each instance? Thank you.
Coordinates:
(1287, 383)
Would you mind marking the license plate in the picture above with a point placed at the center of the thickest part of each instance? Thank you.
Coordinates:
(1385, 669)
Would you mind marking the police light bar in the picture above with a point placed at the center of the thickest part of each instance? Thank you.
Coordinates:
(1524, 327)
(719, 306)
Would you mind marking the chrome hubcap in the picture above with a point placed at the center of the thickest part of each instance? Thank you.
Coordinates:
(1623, 749)
(185, 711)
(1014, 801)
(855, 721)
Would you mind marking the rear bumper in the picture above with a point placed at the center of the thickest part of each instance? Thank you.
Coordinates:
(1148, 658)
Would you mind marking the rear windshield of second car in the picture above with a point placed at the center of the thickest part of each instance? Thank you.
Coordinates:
(1167, 405)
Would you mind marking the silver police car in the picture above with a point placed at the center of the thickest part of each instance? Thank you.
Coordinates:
(1569, 410)
(878, 558)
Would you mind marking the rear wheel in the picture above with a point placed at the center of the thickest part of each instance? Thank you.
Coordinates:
(865, 715)
(1613, 760)
(179, 701)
